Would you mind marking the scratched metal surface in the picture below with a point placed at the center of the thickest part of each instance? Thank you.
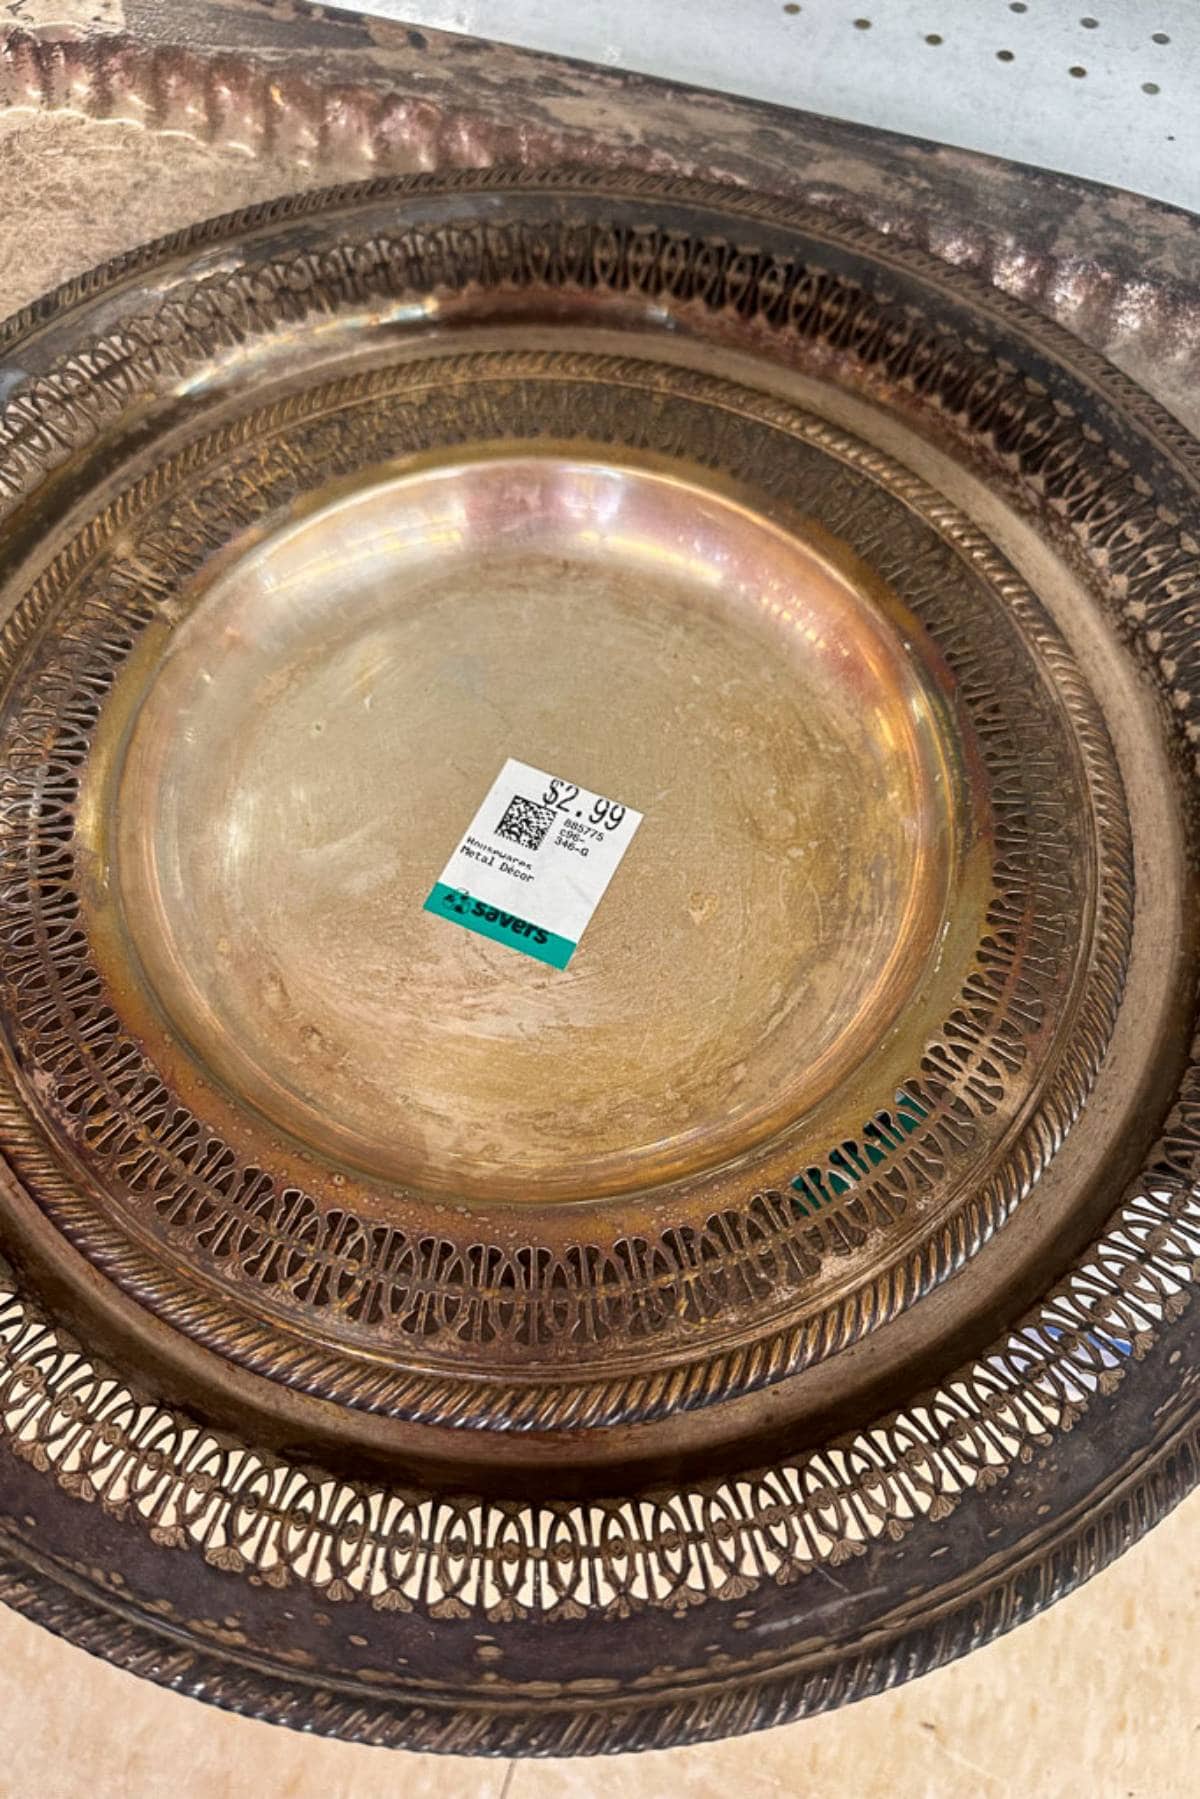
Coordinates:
(245, 101)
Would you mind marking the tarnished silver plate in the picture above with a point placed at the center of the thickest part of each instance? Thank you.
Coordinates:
(705, 1260)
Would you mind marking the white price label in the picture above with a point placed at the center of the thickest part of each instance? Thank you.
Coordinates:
(534, 862)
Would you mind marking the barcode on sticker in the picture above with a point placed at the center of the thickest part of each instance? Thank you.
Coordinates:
(534, 863)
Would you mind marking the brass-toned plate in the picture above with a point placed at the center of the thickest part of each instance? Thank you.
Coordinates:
(303, 748)
(870, 595)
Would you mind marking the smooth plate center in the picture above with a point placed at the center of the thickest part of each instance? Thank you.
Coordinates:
(322, 726)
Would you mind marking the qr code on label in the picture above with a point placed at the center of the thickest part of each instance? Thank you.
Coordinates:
(525, 822)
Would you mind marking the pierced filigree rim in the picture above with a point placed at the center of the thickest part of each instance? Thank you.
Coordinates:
(1113, 1309)
(761, 284)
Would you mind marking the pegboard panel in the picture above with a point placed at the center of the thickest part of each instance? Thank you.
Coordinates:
(1108, 93)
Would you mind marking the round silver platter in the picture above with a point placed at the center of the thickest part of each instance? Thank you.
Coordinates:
(411, 1336)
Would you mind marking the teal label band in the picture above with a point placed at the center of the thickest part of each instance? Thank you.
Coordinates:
(502, 927)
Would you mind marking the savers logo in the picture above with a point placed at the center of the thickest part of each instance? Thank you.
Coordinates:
(456, 900)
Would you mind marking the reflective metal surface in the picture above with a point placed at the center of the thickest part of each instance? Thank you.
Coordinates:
(231, 104)
(342, 694)
(907, 810)
(495, 1352)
